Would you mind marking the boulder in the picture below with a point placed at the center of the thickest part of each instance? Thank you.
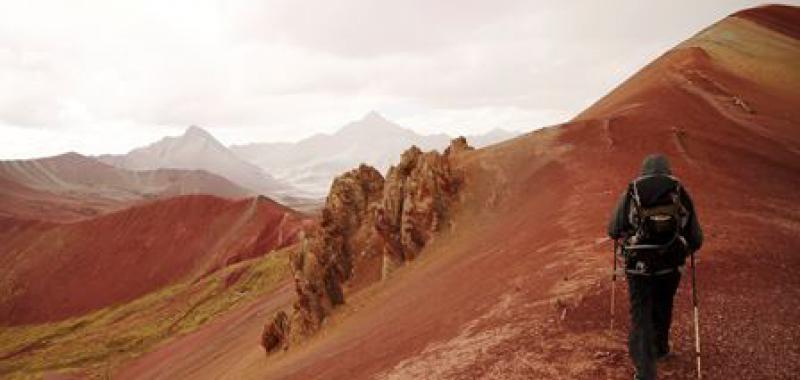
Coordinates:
(273, 337)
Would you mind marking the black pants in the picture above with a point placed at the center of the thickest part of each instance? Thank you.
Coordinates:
(651, 316)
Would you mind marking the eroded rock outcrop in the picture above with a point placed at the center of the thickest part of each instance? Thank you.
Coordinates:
(369, 226)
(416, 199)
(327, 259)
(275, 334)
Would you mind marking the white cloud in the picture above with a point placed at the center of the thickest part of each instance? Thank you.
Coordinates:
(75, 73)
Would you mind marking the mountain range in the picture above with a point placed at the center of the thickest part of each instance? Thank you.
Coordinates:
(71, 187)
(290, 172)
(197, 149)
(312, 163)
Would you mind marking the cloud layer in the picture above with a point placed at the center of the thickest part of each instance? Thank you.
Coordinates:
(100, 76)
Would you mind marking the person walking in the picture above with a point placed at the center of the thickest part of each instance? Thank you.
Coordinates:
(657, 227)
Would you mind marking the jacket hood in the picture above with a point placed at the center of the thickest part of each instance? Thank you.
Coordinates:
(656, 164)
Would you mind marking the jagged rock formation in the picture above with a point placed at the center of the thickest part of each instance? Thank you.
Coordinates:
(416, 197)
(367, 221)
(275, 333)
(327, 259)
(457, 146)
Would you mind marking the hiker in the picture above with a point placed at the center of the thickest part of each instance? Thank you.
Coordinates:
(657, 226)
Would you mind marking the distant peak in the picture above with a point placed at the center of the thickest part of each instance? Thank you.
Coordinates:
(70, 154)
(373, 116)
(373, 124)
(197, 132)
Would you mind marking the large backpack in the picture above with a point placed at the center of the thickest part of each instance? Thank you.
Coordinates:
(658, 218)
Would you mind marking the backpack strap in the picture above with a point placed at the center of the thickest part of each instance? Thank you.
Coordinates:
(635, 194)
(683, 212)
(635, 206)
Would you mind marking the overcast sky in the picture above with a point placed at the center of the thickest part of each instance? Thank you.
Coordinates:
(107, 76)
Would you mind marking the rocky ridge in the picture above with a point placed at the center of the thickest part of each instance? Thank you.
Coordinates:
(370, 226)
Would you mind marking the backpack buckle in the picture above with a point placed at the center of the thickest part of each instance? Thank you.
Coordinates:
(640, 269)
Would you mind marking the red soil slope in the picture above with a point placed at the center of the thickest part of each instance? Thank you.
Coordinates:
(519, 289)
(778, 18)
(52, 271)
(23, 201)
(70, 187)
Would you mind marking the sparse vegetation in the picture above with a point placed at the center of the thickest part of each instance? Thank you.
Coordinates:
(99, 341)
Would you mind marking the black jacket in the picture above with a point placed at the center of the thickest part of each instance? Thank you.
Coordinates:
(620, 227)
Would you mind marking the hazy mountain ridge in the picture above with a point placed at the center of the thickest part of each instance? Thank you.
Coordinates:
(312, 163)
(197, 149)
(71, 186)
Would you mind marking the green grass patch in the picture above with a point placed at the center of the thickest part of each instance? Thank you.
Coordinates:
(99, 341)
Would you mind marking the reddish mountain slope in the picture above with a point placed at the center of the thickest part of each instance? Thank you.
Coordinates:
(519, 288)
(71, 187)
(778, 18)
(53, 271)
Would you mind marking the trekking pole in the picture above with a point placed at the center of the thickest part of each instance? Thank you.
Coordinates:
(614, 281)
(696, 320)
